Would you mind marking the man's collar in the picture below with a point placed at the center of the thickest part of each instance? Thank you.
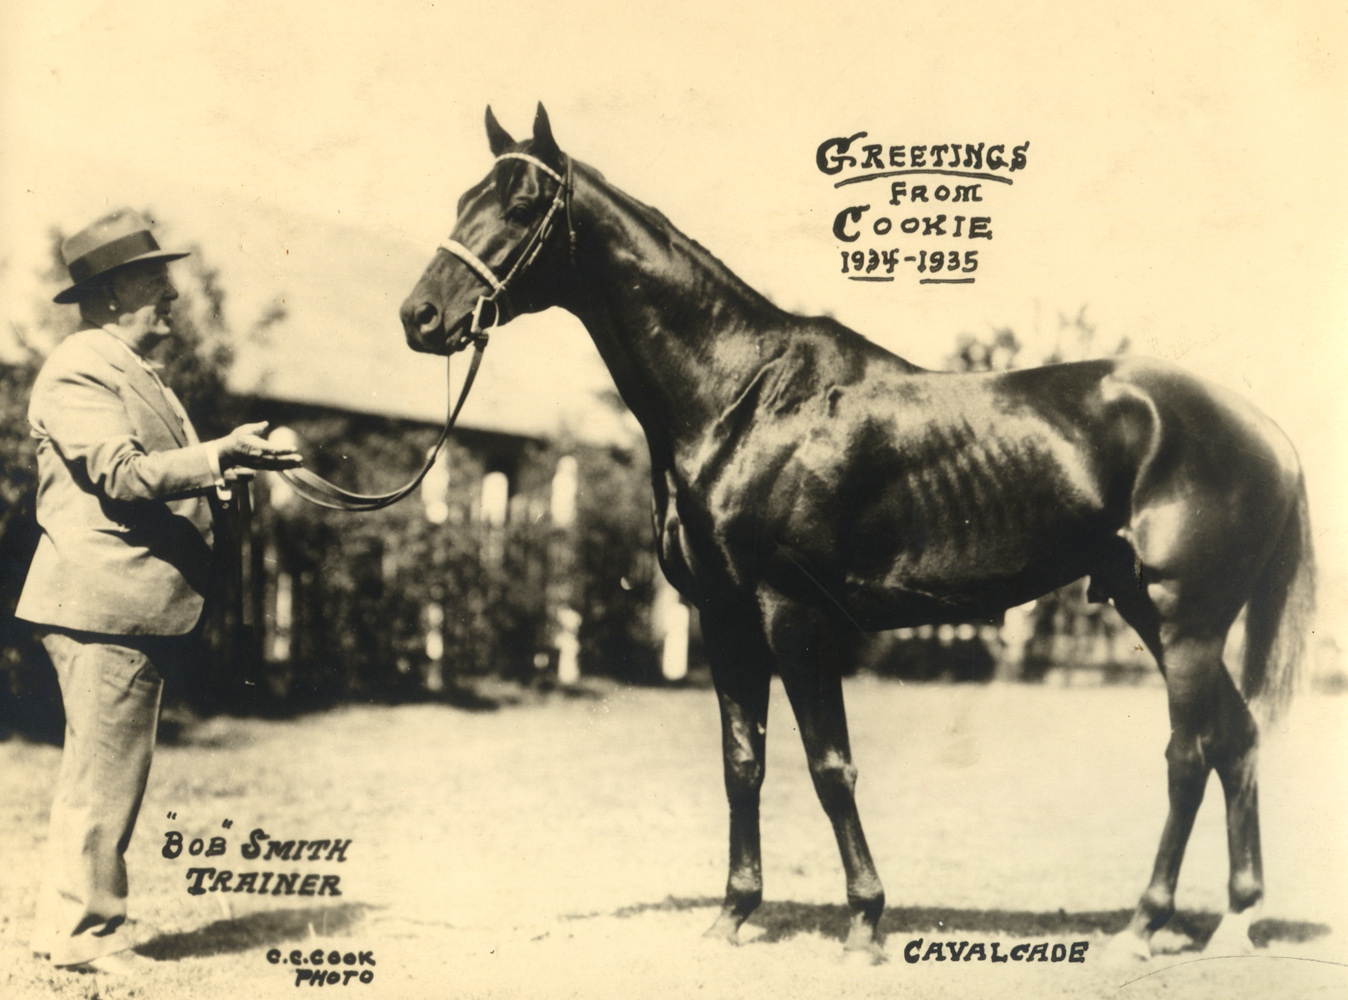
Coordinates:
(115, 332)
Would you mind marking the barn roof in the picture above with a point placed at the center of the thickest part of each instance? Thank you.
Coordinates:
(341, 344)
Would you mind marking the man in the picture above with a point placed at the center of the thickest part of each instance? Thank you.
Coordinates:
(125, 500)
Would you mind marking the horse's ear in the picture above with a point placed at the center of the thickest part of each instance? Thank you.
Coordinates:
(545, 147)
(497, 138)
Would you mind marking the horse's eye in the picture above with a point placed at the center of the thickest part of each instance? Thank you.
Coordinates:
(518, 214)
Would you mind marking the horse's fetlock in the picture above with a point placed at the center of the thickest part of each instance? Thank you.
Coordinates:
(743, 893)
(1244, 890)
(1158, 904)
(867, 900)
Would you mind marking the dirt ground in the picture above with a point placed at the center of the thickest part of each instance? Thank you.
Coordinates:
(575, 847)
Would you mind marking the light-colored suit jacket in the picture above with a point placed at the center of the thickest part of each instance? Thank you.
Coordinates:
(124, 497)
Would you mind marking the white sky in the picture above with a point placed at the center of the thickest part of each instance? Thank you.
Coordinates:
(1185, 176)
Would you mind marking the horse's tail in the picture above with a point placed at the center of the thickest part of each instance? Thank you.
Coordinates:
(1278, 617)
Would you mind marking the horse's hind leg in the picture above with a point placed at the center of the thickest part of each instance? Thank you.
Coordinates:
(1236, 769)
(810, 648)
(1210, 728)
(741, 669)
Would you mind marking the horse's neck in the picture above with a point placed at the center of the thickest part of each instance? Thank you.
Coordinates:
(681, 335)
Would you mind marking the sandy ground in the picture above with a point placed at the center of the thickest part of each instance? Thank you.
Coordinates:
(575, 847)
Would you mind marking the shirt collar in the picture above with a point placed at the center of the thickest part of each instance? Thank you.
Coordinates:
(144, 362)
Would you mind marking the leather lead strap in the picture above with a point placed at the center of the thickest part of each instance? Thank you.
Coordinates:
(320, 491)
(315, 488)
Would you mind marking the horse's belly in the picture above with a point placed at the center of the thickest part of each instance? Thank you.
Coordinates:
(901, 601)
(902, 562)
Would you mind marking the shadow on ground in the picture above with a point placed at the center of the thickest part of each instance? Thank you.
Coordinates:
(781, 920)
(244, 933)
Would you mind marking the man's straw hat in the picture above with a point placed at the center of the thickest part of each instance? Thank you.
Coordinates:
(113, 241)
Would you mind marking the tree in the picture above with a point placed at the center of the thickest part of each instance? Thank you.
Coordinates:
(998, 353)
(615, 566)
(29, 697)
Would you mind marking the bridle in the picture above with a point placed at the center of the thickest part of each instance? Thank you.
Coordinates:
(320, 491)
(499, 298)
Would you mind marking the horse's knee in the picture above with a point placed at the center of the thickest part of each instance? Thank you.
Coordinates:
(835, 779)
(833, 770)
(743, 776)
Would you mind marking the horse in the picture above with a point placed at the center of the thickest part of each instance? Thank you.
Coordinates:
(811, 487)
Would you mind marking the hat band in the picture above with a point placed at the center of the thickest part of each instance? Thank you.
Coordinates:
(113, 254)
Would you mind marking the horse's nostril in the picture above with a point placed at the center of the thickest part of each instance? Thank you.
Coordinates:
(428, 318)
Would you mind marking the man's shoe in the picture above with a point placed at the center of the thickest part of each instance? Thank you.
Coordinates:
(130, 934)
(116, 963)
(138, 932)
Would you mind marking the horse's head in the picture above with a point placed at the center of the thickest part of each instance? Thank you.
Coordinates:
(502, 257)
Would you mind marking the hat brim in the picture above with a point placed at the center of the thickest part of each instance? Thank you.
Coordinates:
(76, 291)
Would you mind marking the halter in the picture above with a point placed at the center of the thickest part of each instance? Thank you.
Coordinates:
(499, 298)
(320, 491)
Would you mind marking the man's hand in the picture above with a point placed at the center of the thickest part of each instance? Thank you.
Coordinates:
(246, 447)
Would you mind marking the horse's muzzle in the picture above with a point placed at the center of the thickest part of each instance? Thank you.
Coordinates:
(423, 326)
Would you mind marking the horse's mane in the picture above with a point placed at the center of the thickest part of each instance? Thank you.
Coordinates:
(662, 231)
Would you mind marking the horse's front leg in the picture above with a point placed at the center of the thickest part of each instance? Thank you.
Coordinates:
(741, 668)
(812, 649)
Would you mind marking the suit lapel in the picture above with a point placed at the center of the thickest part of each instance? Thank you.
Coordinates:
(141, 382)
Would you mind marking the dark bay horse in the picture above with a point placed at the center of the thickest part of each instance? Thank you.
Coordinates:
(810, 486)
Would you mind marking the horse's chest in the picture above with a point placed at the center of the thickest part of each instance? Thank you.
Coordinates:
(687, 540)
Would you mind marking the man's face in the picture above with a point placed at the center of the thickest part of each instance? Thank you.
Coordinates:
(144, 295)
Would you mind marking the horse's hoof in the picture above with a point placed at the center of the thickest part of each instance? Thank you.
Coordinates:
(862, 946)
(1232, 937)
(726, 931)
(1127, 948)
(864, 955)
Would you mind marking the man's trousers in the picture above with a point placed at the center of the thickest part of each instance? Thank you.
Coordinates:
(110, 686)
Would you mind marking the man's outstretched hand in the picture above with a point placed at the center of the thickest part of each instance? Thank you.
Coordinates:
(245, 447)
